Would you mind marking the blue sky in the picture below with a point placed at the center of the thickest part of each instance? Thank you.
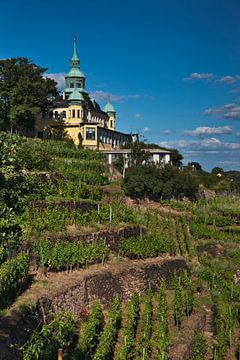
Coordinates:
(170, 67)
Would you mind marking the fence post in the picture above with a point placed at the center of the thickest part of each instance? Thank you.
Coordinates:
(98, 210)
(110, 214)
(60, 354)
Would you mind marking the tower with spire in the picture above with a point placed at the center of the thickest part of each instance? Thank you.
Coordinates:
(83, 117)
(75, 78)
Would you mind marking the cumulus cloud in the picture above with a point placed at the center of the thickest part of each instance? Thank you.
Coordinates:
(210, 144)
(138, 116)
(227, 80)
(205, 130)
(199, 76)
(59, 78)
(146, 129)
(238, 134)
(222, 80)
(228, 111)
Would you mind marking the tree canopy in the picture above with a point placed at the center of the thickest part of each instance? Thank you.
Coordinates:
(24, 92)
(156, 183)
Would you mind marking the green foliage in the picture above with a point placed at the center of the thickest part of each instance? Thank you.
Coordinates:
(63, 255)
(10, 231)
(55, 219)
(159, 183)
(11, 272)
(3, 254)
(24, 92)
(142, 247)
(199, 347)
(61, 332)
(188, 293)
(133, 310)
(162, 331)
(177, 301)
(146, 327)
(91, 333)
(108, 336)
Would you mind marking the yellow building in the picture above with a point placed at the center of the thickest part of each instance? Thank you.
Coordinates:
(81, 116)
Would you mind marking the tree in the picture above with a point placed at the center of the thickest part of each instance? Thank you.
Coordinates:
(59, 131)
(176, 158)
(156, 183)
(194, 165)
(217, 170)
(24, 92)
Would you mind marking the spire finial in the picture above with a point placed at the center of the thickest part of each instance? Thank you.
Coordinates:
(75, 57)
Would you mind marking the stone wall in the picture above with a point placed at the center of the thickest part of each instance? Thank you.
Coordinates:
(103, 285)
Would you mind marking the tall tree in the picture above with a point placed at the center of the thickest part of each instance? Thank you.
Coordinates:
(24, 92)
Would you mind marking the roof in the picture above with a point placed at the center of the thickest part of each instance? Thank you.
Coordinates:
(109, 108)
(76, 95)
(127, 151)
(75, 72)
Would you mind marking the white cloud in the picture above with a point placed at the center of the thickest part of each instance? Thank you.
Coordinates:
(199, 76)
(222, 80)
(138, 116)
(59, 78)
(102, 95)
(210, 144)
(167, 132)
(227, 80)
(205, 130)
(238, 134)
(146, 129)
(228, 111)
(228, 163)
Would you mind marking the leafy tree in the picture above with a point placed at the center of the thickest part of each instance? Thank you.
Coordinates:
(156, 183)
(59, 131)
(24, 92)
(176, 158)
(194, 165)
(217, 170)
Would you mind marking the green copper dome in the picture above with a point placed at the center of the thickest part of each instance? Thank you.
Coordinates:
(75, 96)
(76, 72)
(109, 108)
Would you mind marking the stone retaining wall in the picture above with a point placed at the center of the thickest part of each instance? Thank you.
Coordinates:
(104, 285)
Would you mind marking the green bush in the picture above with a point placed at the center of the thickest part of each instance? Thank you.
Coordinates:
(11, 272)
(64, 255)
(159, 183)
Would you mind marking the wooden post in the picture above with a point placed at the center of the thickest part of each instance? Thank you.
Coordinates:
(110, 214)
(60, 354)
(98, 213)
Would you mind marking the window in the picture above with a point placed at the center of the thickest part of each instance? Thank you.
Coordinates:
(72, 85)
(90, 133)
(78, 114)
(73, 114)
(56, 114)
(111, 124)
(64, 114)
